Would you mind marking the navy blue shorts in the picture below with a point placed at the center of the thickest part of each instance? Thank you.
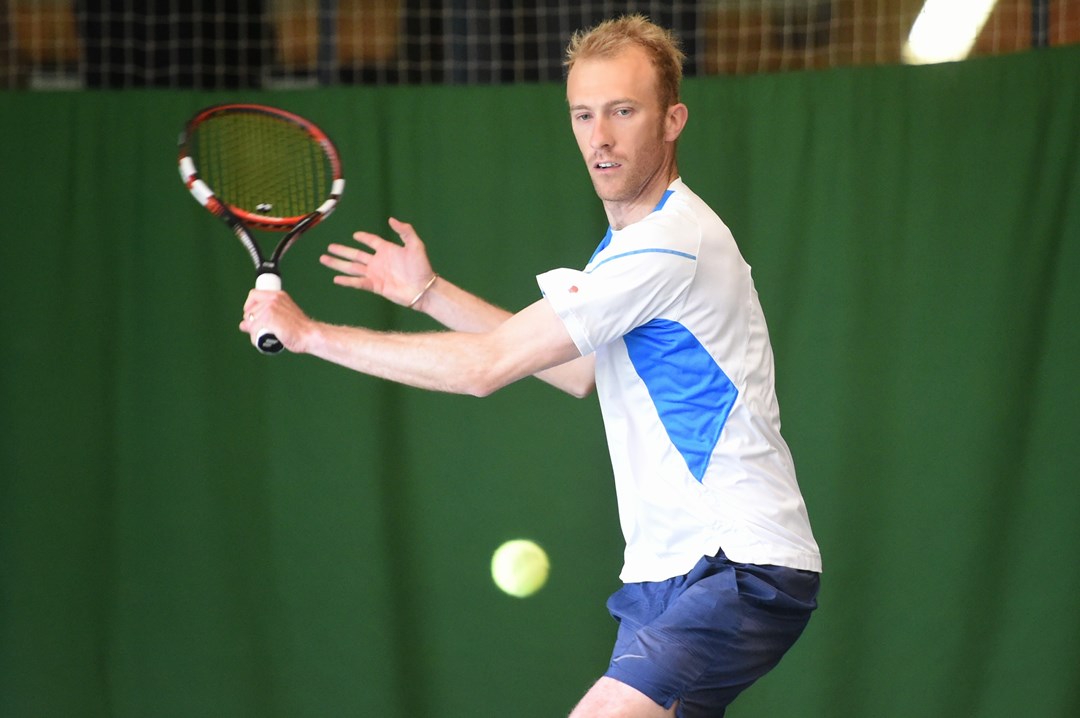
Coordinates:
(703, 638)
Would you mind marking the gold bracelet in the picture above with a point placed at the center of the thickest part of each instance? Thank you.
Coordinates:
(423, 291)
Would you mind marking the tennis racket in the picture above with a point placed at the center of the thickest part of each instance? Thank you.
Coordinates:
(261, 168)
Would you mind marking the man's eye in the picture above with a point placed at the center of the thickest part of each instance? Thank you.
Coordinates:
(623, 112)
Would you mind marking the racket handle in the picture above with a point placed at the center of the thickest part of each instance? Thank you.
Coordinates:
(265, 341)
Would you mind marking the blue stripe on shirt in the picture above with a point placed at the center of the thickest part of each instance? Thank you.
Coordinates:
(692, 394)
(603, 244)
(607, 236)
(656, 250)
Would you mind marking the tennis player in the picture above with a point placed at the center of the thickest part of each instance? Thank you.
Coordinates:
(721, 568)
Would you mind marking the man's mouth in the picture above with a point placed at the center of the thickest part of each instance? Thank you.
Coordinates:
(606, 165)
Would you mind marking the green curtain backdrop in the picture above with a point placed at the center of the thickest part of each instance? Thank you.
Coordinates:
(188, 528)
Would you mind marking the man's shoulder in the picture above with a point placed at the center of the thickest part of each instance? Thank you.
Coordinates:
(682, 212)
(684, 198)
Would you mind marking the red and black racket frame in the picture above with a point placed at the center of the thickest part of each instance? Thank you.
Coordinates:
(267, 273)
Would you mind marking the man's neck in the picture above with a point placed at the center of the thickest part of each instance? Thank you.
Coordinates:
(624, 213)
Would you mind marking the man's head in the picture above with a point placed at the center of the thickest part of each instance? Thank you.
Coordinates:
(622, 87)
(612, 37)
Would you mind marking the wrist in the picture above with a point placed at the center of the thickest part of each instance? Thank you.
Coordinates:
(414, 304)
(310, 338)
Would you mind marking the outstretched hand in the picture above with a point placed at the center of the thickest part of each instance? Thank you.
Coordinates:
(398, 272)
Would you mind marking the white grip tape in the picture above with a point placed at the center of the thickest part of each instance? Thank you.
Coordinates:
(268, 281)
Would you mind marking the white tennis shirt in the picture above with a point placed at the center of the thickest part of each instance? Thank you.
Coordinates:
(684, 374)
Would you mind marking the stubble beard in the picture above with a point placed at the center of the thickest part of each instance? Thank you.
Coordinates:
(630, 187)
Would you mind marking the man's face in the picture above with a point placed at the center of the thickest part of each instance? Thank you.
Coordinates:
(619, 125)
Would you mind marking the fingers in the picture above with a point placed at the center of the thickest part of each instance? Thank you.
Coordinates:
(354, 268)
(251, 303)
(248, 326)
(256, 300)
(372, 241)
(276, 313)
(390, 268)
(348, 260)
(404, 230)
(252, 307)
(352, 254)
(357, 282)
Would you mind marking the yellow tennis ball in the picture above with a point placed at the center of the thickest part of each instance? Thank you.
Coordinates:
(520, 567)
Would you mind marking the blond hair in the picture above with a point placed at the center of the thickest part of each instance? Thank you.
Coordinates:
(611, 37)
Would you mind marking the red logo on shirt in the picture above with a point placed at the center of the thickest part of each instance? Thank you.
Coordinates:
(573, 289)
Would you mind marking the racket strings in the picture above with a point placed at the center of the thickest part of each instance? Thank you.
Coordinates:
(262, 165)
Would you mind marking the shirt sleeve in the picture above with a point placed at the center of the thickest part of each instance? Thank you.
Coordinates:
(642, 274)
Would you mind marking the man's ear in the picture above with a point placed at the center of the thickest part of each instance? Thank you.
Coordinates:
(675, 121)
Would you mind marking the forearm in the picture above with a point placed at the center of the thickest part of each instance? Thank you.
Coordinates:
(452, 362)
(459, 310)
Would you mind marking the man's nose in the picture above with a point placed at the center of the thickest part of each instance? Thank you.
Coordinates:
(601, 135)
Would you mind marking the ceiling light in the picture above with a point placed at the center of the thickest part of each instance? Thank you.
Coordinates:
(945, 30)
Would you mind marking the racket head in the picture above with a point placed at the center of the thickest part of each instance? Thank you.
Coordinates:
(261, 166)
